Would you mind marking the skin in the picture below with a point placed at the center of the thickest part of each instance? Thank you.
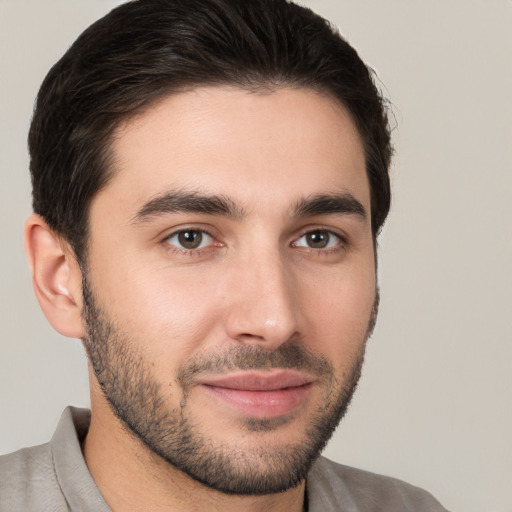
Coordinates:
(255, 281)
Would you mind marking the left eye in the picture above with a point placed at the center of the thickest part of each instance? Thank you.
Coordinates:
(190, 239)
(318, 239)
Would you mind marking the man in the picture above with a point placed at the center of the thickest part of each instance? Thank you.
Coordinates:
(209, 180)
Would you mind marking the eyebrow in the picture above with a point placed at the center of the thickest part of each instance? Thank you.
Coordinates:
(196, 202)
(188, 202)
(327, 204)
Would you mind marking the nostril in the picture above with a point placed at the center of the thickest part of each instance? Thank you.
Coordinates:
(250, 337)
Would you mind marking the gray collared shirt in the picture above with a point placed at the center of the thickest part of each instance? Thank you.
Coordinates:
(54, 478)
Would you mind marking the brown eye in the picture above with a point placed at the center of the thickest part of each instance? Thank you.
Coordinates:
(318, 239)
(190, 239)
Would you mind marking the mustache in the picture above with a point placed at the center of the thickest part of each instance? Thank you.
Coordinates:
(290, 356)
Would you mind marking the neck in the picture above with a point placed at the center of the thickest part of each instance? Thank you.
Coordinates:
(132, 478)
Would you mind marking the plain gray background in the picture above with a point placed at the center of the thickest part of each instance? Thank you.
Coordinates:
(434, 406)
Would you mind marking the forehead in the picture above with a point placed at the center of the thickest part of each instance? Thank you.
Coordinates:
(257, 148)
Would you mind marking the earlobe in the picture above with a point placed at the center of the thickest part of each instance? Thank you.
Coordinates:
(56, 277)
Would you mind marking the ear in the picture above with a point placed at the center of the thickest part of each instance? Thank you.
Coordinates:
(56, 277)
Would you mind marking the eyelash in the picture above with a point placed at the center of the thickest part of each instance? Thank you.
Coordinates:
(341, 245)
(182, 251)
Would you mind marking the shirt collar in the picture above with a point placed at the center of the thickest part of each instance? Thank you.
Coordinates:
(73, 476)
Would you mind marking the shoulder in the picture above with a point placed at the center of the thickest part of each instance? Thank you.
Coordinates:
(334, 486)
(28, 481)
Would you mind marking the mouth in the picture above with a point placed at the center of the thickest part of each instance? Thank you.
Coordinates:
(261, 394)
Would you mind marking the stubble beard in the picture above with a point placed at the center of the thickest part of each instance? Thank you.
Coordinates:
(137, 400)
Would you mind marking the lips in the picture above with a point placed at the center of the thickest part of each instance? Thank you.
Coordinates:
(265, 394)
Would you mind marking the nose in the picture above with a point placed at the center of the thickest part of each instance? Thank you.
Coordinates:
(264, 311)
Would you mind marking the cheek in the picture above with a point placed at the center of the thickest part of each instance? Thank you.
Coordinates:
(339, 308)
(165, 313)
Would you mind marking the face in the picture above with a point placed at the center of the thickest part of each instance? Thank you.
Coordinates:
(230, 282)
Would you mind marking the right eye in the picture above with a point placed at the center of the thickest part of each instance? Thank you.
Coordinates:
(190, 239)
